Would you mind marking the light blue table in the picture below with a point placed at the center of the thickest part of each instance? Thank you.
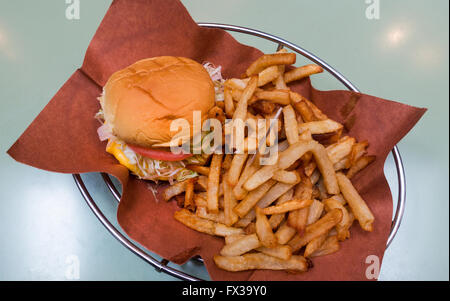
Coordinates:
(46, 229)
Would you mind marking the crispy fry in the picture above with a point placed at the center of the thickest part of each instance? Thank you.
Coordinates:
(260, 261)
(194, 222)
(250, 168)
(203, 170)
(343, 226)
(260, 177)
(228, 102)
(229, 202)
(268, 60)
(315, 211)
(288, 177)
(267, 75)
(276, 219)
(285, 233)
(314, 244)
(263, 230)
(358, 150)
(252, 198)
(189, 194)
(241, 108)
(202, 212)
(226, 164)
(279, 251)
(213, 183)
(360, 164)
(295, 151)
(235, 169)
(321, 126)
(290, 125)
(279, 81)
(286, 207)
(338, 151)
(321, 226)
(302, 72)
(331, 245)
(275, 96)
(241, 245)
(174, 190)
(357, 204)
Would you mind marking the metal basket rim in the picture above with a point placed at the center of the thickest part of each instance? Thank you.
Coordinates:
(162, 265)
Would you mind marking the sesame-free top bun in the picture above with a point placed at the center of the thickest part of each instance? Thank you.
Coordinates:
(140, 101)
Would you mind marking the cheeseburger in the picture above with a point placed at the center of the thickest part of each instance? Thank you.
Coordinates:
(139, 103)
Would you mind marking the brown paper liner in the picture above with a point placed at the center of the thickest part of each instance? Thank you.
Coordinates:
(63, 138)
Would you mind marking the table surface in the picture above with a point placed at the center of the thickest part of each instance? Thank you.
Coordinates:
(46, 228)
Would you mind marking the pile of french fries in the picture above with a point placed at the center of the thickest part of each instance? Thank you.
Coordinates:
(277, 216)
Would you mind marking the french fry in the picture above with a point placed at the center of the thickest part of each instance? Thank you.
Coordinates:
(174, 190)
(286, 207)
(314, 245)
(235, 169)
(321, 226)
(236, 83)
(298, 218)
(260, 177)
(285, 233)
(203, 170)
(229, 202)
(343, 226)
(202, 212)
(275, 96)
(213, 183)
(283, 252)
(199, 201)
(321, 126)
(288, 177)
(279, 81)
(276, 219)
(241, 245)
(194, 222)
(357, 204)
(358, 150)
(267, 75)
(302, 72)
(263, 107)
(360, 164)
(338, 151)
(250, 168)
(228, 102)
(315, 211)
(290, 125)
(331, 245)
(295, 151)
(226, 164)
(263, 230)
(241, 108)
(252, 198)
(268, 60)
(189, 194)
(223, 230)
(260, 261)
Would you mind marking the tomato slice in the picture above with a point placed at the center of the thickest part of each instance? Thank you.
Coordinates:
(159, 154)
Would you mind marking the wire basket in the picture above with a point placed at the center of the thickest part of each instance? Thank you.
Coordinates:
(162, 266)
